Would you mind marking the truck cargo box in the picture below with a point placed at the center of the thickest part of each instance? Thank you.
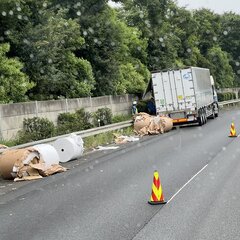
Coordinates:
(182, 93)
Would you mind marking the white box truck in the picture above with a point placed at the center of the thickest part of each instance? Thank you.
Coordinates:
(186, 95)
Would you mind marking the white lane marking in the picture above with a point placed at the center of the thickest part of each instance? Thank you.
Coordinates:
(186, 184)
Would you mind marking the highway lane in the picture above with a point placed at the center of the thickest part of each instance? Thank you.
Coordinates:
(106, 197)
(208, 207)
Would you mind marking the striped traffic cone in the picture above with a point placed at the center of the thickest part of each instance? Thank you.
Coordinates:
(232, 131)
(157, 193)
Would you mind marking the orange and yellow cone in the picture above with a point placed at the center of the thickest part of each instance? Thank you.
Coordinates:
(157, 193)
(232, 131)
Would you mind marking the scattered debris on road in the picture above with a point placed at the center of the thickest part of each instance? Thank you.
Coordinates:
(28, 164)
(124, 139)
(101, 148)
(145, 124)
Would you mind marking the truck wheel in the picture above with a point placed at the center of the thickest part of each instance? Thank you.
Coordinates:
(205, 117)
(216, 113)
(213, 113)
(200, 118)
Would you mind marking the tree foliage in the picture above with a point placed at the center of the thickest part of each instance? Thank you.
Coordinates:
(13, 82)
(78, 48)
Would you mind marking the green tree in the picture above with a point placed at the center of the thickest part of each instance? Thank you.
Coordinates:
(220, 67)
(153, 20)
(13, 82)
(229, 41)
(208, 27)
(48, 52)
(109, 44)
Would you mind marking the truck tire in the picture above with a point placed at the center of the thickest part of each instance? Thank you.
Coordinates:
(205, 116)
(200, 118)
(216, 113)
(213, 113)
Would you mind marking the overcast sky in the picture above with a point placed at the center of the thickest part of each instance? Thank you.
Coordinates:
(218, 6)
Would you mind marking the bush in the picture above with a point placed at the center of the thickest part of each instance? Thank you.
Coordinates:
(35, 129)
(230, 96)
(104, 115)
(121, 118)
(226, 96)
(84, 118)
(64, 118)
(220, 97)
(142, 106)
(73, 122)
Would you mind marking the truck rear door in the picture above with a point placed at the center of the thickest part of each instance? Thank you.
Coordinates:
(179, 90)
(174, 91)
(168, 91)
(188, 88)
(158, 91)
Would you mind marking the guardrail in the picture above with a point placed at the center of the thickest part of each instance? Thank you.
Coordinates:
(83, 134)
(229, 102)
(102, 129)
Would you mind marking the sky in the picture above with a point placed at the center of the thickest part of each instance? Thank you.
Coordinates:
(218, 6)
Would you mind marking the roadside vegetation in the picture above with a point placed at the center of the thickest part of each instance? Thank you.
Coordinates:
(51, 49)
(54, 49)
(37, 128)
(106, 138)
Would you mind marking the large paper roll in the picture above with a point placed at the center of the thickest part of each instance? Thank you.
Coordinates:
(48, 154)
(12, 160)
(69, 148)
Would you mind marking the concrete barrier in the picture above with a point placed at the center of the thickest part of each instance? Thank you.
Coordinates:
(12, 115)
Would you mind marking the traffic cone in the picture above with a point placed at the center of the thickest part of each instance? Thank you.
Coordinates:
(157, 193)
(232, 131)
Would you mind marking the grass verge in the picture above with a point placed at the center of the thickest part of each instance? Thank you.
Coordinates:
(105, 138)
(92, 141)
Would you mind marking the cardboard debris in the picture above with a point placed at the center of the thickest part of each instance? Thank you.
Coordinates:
(100, 148)
(27, 178)
(12, 160)
(26, 164)
(142, 121)
(155, 126)
(55, 168)
(125, 139)
(146, 124)
(167, 123)
(3, 148)
(23, 157)
(45, 171)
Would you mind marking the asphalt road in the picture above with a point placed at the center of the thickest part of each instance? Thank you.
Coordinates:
(104, 195)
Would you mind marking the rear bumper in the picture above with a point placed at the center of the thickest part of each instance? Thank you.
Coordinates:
(180, 121)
